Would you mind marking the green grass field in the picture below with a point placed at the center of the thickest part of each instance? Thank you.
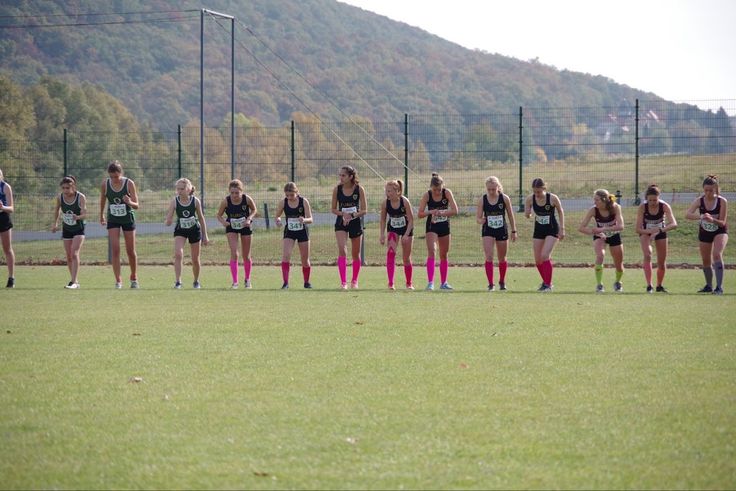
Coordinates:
(157, 388)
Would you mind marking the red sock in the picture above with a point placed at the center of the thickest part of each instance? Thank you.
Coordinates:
(285, 271)
(547, 269)
(247, 267)
(390, 265)
(408, 270)
(502, 267)
(489, 272)
(306, 270)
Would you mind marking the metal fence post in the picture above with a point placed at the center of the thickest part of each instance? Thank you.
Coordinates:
(178, 150)
(66, 155)
(406, 155)
(265, 216)
(362, 242)
(521, 159)
(636, 154)
(293, 154)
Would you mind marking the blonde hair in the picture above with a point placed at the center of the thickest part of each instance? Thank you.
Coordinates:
(236, 183)
(494, 180)
(398, 184)
(187, 183)
(436, 180)
(607, 198)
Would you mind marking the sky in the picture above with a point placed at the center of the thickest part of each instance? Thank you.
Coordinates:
(681, 50)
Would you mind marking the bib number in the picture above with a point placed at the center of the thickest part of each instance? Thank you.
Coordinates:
(542, 219)
(397, 222)
(494, 221)
(118, 210)
(294, 225)
(652, 225)
(439, 219)
(187, 222)
(68, 219)
(350, 209)
(237, 223)
(708, 226)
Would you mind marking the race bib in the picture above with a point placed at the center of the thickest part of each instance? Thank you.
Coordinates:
(708, 226)
(118, 210)
(187, 222)
(237, 223)
(542, 219)
(350, 209)
(494, 221)
(294, 225)
(439, 219)
(651, 225)
(609, 233)
(397, 222)
(68, 219)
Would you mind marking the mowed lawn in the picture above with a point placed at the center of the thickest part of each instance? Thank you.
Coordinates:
(264, 388)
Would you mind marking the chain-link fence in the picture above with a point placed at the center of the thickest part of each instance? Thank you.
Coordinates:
(576, 150)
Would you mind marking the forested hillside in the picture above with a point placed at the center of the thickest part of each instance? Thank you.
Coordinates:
(366, 64)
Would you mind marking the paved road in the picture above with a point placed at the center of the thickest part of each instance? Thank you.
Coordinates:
(94, 229)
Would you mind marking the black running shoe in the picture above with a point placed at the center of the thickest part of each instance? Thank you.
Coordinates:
(502, 286)
(307, 285)
(11, 283)
(491, 287)
(285, 286)
(661, 289)
(706, 289)
(718, 291)
(650, 289)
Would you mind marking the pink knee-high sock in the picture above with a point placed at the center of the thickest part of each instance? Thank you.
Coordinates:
(306, 271)
(390, 265)
(285, 271)
(489, 272)
(648, 272)
(502, 267)
(234, 270)
(356, 270)
(342, 268)
(443, 270)
(247, 267)
(430, 269)
(408, 271)
(547, 269)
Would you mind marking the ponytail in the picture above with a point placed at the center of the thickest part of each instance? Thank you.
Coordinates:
(712, 180)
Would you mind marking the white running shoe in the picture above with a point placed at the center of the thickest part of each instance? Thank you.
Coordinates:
(134, 284)
(430, 286)
(118, 285)
(247, 284)
(72, 286)
(446, 286)
(235, 286)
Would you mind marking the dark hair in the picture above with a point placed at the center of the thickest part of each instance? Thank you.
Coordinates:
(68, 180)
(539, 183)
(351, 172)
(436, 180)
(115, 166)
(712, 180)
(290, 187)
(652, 190)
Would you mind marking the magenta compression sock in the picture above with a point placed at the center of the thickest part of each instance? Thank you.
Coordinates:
(390, 265)
(408, 271)
(234, 270)
(342, 268)
(247, 267)
(430, 270)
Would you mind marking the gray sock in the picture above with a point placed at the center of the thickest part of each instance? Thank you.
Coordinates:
(708, 272)
(719, 273)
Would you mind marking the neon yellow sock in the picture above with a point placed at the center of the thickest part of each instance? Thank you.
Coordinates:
(619, 274)
(599, 273)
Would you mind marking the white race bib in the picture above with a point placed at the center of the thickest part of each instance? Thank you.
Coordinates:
(494, 221)
(651, 225)
(350, 209)
(118, 210)
(397, 222)
(294, 225)
(68, 218)
(439, 219)
(237, 223)
(543, 219)
(609, 233)
(708, 226)
(187, 222)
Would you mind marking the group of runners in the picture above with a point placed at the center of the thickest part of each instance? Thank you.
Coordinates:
(604, 222)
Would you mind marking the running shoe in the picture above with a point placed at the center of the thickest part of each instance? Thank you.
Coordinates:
(661, 289)
(491, 287)
(544, 288)
(72, 286)
(409, 286)
(343, 286)
(502, 286)
(235, 286)
(650, 289)
(196, 285)
(247, 284)
(307, 285)
(285, 286)
(354, 285)
(600, 289)
(430, 286)
(446, 286)
(718, 291)
(118, 285)
(10, 283)
(134, 284)
(177, 285)
(391, 287)
(706, 289)
(618, 287)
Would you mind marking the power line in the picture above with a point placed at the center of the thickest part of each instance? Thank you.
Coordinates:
(107, 23)
(98, 14)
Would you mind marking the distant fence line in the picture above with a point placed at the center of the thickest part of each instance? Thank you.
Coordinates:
(576, 150)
